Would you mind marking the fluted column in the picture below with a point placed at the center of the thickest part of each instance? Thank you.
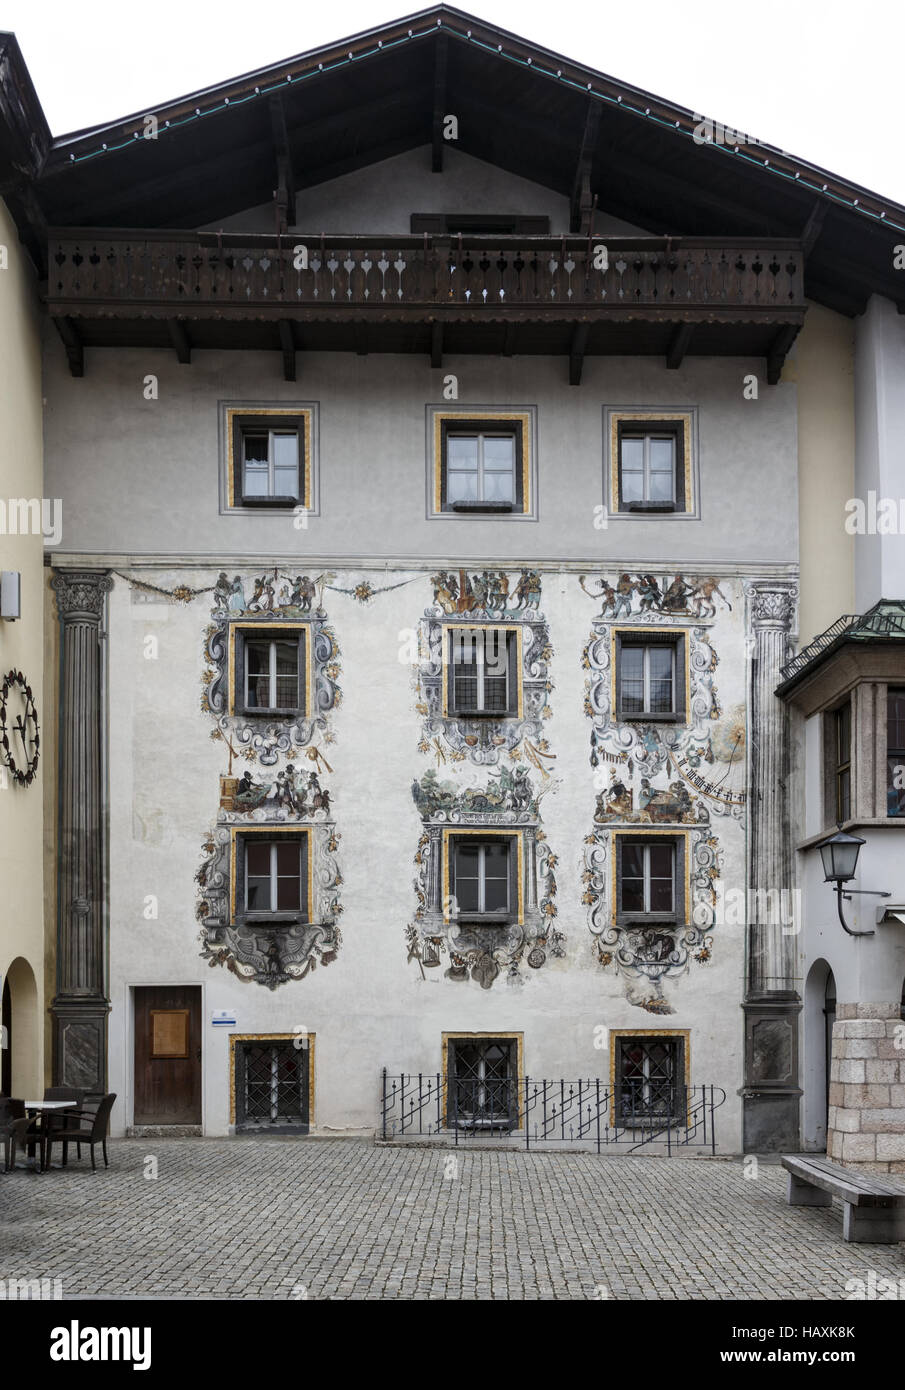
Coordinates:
(772, 1003)
(81, 1006)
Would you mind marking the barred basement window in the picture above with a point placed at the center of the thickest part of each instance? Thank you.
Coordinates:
(482, 1083)
(482, 668)
(272, 1087)
(650, 1080)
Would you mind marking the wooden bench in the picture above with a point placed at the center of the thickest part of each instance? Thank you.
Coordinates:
(874, 1205)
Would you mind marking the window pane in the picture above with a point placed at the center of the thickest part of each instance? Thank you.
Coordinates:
(495, 694)
(255, 448)
(496, 859)
(255, 484)
(499, 452)
(289, 893)
(661, 487)
(286, 451)
(661, 894)
(661, 451)
(633, 455)
(461, 487)
(288, 857)
(632, 861)
(498, 487)
(661, 860)
(496, 895)
(632, 680)
(257, 857)
(257, 658)
(895, 791)
(462, 452)
(285, 482)
(258, 894)
(466, 889)
(895, 719)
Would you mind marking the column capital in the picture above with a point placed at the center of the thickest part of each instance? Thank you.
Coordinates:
(81, 593)
(772, 602)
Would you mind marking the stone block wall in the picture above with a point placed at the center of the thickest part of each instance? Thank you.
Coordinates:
(866, 1123)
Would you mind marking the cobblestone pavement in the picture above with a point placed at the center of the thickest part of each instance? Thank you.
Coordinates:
(268, 1218)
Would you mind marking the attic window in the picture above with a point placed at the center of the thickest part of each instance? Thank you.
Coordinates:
(479, 224)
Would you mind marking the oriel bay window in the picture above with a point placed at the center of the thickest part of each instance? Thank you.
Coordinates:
(482, 671)
(650, 677)
(270, 670)
(272, 877)
(483, 882)
(895, 751)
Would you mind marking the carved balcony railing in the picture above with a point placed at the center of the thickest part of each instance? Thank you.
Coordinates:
(96, 273)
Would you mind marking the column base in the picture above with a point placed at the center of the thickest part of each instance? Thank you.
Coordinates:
(80, 1041)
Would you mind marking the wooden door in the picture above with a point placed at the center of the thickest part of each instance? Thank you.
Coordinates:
(168, 1055)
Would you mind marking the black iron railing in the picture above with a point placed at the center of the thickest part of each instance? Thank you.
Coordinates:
(428, 1105)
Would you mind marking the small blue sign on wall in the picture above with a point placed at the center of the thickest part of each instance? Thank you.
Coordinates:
(223, 1018)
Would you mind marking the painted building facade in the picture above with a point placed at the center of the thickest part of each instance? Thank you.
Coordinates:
(436, 535)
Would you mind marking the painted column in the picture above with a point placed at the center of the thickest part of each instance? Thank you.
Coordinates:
(80, 1007)
(771, 1094)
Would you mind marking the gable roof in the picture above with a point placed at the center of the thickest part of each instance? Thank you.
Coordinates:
(520, 106)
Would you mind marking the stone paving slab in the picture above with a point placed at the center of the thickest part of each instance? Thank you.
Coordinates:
(345, 1219)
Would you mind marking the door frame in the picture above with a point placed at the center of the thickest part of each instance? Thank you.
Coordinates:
(129, 989)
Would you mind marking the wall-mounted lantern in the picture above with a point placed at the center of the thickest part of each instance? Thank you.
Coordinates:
(10, 595)
(840, 859)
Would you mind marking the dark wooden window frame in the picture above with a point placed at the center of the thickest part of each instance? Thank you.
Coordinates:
(487, 919)
(270, 634)
(512, 1046)
(251, 423)
(266, 919)
(639, 429)
(514, 674)
(842, 766)
(454, 424)
(653, 639)
(674, 919)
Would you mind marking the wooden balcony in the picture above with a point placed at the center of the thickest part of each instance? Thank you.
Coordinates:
(435, 295)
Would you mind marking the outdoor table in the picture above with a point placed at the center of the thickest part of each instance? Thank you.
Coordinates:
(38, 1107)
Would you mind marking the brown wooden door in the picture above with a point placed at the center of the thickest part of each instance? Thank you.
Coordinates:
(168, 1055)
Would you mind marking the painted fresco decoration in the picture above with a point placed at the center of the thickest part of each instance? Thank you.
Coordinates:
(707, 752)
(266, 954)
(469, 597)
(243, 600)
(647, 956)
(649, 596)
(482, 953)
(655, 805)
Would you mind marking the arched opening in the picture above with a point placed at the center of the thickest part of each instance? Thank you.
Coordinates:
(21, 1056)
(819, 1016)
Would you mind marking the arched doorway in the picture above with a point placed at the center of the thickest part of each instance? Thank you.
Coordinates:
(819, 1016)
(21, 1057)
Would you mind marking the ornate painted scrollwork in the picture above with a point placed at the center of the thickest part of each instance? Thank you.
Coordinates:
(483, 953)
(469, 598)
(274, 595)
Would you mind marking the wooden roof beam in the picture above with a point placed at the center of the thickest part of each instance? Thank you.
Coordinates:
(576, 352)
(441, 53)
(180, 340)
(679, 345)
(580, 204)
(285, 189)
(776, 353)
(72, 342)
(287, 347)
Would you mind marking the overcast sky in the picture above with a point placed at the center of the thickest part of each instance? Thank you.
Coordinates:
(821, 79)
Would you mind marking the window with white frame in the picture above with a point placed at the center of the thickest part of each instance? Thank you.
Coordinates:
(270, 671)
(482, 877)
(274, 876)
(650, 676)
(483, 671)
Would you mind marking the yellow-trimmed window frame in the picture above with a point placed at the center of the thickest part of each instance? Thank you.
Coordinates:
(638, 419)
(246, 627)
(635, 630)
(488, 418)
(518, 629)
(484, 832)
(234, 1038)
(616, 1033)
(280, 830)
(270, 417)
(643, 831)
(460, 1036)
